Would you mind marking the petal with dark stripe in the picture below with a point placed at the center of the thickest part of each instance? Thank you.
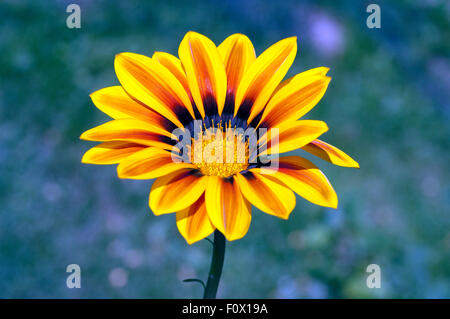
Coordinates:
(262, 78)
(304, 178)
(130, 130)
(265, 194)
(238, 54)
(149, 82)
(205, 73)
(294, 99)
(291, 136)
(176, 191)
(193, 222)
(150, 163)
(227, 209)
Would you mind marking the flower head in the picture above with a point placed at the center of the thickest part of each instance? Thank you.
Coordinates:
(209, 126)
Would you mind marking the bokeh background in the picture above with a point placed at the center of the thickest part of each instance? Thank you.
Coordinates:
(387, 106)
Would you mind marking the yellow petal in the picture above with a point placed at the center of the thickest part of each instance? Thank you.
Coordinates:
(150, 163)
(149, 82)
(227, 209)
(205, 73)
(291, 136)
(263, 76)
(321, 70)
(131, 130)
(238, 54)
(330, 153)
(110, 152)
(176, 191)
(173, 64)
(294, 99)
(265, 194)
(115, 102)
(304, 178)
(193, 222)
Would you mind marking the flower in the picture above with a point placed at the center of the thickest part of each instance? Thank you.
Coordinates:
(216, 90)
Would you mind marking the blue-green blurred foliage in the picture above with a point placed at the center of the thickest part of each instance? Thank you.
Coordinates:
(387, 106)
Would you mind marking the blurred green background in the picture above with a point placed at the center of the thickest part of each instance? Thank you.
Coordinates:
(387, 106)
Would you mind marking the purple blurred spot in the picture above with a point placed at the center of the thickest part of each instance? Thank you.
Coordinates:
(118, 277)
(326, 34)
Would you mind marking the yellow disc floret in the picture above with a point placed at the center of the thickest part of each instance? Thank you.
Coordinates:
(220, 153)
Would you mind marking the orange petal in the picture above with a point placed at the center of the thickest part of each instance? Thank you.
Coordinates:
(294, 99)
(304, 178)
(205, 73)
(263, 76)
(265, 194)
(238, 54)
(227, 209)
(110, 152)
(330, 153)
(292, 136)
(176, 191)
(193, 222)
(149, 82)
(150, 163)
(131, 130)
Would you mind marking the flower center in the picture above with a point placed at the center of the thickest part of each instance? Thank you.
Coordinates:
(219, 152)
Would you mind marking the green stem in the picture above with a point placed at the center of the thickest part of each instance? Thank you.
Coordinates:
(215, 271)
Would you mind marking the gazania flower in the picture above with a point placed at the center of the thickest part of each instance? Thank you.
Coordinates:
(224, 87)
